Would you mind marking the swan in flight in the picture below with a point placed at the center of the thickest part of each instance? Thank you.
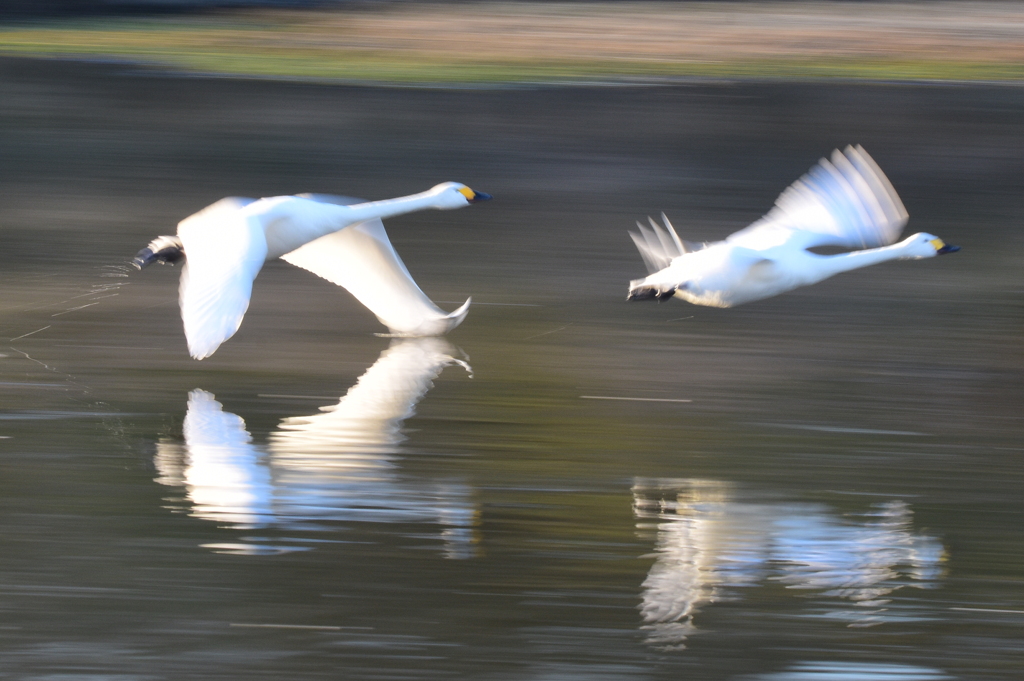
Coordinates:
(337, 238)
(846, 202)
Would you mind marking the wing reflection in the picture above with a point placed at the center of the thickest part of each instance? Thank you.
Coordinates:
(359, 434)
(336, 465)
(709, 545)
(854, 671)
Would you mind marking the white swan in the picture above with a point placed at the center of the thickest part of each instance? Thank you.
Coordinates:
(337, 238)
(846, 202)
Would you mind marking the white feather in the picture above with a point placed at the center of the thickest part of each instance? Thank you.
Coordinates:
(658, 245)
(361, 259)
(225, 252)
(846, 202)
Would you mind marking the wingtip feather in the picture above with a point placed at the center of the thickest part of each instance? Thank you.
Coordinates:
(457, 316)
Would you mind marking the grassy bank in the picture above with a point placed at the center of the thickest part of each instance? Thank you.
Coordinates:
(466, 43)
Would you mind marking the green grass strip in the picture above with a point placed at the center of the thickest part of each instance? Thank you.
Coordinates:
(261, 48)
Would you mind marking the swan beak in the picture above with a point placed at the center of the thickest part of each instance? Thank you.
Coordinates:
(474, 197)
(942, 248)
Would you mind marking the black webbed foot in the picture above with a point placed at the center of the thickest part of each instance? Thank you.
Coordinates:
(163, 249)
(649, 293)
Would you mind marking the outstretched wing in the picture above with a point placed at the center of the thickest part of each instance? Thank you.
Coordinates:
(224, 252)
(361, 259)
(844, 201)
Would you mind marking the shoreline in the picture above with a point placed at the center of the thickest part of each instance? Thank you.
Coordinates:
(159, 70)
(560, 42)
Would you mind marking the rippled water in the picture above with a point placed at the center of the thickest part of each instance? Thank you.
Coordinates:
(825, 485)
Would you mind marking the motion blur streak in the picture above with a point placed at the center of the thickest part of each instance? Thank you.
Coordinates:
(524, 41)
(870, 428)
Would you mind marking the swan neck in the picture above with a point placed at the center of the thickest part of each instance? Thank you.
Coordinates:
(288, 225)
(844, 262)
(391, 207)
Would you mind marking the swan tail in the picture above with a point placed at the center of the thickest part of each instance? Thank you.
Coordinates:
(651, 259)
(659, 245)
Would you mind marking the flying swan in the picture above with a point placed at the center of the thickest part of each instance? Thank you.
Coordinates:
(338, 238)
(846, 202)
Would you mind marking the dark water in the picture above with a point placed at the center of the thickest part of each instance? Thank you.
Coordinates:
(825, 485)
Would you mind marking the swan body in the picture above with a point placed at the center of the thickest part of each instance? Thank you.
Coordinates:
(845, 201)
(340, 239)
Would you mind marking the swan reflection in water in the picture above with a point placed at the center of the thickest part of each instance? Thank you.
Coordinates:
(710, 545)
(336, 465)
(853, 671)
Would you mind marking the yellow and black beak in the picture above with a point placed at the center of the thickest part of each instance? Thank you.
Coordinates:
(941, 247)
(474, 197)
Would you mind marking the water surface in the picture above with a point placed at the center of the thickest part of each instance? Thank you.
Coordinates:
(825, 485)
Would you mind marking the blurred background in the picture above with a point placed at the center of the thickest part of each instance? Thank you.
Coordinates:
(823, 485)
(534, 41)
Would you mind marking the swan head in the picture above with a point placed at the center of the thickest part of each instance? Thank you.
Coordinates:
(452, 195)
(163, 249)
(924, 245)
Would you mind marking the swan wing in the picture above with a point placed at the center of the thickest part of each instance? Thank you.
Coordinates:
(224, 252)
(361, 259)
(843, 201)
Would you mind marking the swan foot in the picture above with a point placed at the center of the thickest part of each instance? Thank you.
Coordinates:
(163, 249)
(649, 293)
